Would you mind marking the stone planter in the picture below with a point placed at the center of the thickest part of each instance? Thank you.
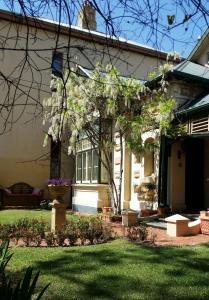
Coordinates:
(129, 218)
(58, 191)
(177, 225)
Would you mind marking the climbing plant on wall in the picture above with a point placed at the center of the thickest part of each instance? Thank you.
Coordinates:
(107, 100)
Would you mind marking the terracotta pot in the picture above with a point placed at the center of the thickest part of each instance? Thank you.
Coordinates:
(148, 212)
(163, 210)
(145, 212)
(106, 209)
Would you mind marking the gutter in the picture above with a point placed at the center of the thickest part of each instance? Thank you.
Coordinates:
(192, 110)
(91, 36)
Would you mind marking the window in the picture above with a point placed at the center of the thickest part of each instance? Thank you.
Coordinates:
(87, 162)
(57, 62)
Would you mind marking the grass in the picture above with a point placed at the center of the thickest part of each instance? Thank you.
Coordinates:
(116, 270)
(12, 215)
(119, 270)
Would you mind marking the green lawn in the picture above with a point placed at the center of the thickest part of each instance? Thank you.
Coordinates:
(119, 270)
(12, 215)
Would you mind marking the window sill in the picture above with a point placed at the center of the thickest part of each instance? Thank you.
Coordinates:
(93, 186)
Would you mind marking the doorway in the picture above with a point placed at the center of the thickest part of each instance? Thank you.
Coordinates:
(194, 174)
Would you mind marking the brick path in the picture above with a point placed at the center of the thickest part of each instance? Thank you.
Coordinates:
(160, 237)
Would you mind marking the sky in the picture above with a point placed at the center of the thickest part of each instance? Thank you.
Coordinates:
(131, 19)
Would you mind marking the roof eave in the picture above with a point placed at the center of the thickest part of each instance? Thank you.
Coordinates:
(193, 111)
(79, 33)
(198, 45)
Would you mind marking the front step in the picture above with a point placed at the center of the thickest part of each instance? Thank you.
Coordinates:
(161, 223)
(157, 224)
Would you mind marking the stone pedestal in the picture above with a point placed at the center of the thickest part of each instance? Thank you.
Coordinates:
(129, 218)
(177, 225)
(58, 215)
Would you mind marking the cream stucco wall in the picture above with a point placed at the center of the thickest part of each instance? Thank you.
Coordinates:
(176, 177)
(22, 156)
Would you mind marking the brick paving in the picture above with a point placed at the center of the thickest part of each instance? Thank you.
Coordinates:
(160, 237)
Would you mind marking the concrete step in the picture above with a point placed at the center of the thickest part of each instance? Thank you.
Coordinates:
(157, 224)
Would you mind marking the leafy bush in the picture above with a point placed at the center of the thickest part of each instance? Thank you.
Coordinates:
(138, 233)
(29, 230)
(23, 289)
(79, 231)
(50, 239)
(72, 232)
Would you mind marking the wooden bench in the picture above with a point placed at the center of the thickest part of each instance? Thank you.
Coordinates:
(23, 195)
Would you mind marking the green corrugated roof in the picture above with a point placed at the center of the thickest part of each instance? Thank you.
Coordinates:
(88, 73)
(195, 106)
(185, 70)
(188, 68)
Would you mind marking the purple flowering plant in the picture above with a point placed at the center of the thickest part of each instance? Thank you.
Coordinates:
(59, 181)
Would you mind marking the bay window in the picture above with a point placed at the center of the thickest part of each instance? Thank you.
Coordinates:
(87, 162)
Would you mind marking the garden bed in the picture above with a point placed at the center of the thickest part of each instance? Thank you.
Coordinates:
(36, 233)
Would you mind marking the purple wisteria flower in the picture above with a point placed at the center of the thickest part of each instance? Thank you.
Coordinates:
(59, 181)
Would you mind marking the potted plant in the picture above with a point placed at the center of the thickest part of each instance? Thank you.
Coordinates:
(150, 194)
(163, 209)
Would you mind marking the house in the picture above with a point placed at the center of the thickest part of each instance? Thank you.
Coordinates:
(31, 50)
(184, 163)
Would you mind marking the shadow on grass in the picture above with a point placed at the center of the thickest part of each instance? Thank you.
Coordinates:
(126, 271)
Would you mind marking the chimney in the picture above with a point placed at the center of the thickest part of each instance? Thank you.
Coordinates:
(87, 16)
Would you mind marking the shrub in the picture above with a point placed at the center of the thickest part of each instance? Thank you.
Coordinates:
(72, 233)
(50, 239)
(32, 232)
(61, 236)
(138, 233)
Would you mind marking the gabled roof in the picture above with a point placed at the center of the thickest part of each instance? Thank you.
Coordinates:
(197, 105)
(201, 43)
